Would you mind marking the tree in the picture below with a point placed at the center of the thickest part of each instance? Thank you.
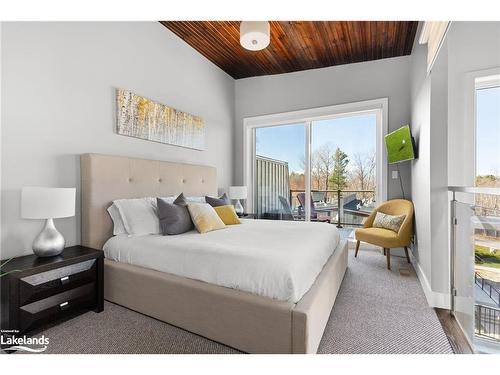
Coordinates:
(339, 174)
(321, 166)
(488, 202)
(316, 170)
(364, 170)
(326, 161)
(363, 173)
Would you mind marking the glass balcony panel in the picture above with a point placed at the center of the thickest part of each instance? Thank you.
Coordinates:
(464, 269)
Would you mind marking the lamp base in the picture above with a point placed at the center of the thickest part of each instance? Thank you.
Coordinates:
(49, 241)
(238, 207)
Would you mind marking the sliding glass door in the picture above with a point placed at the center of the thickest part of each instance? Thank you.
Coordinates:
(321, 169)
(343, 168)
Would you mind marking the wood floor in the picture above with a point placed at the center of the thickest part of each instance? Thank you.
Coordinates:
(453, 331)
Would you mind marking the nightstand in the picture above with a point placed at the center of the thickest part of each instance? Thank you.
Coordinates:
(44, 290)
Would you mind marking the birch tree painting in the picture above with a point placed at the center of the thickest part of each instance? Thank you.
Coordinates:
(143, 118)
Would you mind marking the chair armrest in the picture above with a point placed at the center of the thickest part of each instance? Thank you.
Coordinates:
(369, 220)
(406, 229)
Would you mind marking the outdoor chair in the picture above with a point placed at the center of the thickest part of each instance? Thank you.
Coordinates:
(315, 216)
(286, 212)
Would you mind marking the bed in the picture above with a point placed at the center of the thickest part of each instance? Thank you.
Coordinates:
(197, 285)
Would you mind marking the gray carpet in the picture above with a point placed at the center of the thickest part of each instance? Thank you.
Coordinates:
(377, 311)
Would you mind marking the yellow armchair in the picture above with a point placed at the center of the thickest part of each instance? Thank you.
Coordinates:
(385, 238)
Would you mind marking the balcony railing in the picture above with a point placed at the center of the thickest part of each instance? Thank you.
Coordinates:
(273, 198)
(489, 289)
(487, 321)
(353, 204)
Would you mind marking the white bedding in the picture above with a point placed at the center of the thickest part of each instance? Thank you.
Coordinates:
(275, 259)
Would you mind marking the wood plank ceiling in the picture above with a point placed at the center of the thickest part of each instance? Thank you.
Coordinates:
(297, 45)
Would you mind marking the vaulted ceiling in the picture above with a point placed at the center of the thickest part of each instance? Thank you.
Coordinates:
(297, 45)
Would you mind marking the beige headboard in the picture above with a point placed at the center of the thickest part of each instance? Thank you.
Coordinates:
(105, 178)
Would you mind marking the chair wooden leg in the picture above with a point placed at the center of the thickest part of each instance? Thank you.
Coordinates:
(407, 255)
(357, 249)
(384, 251)
(388, 252)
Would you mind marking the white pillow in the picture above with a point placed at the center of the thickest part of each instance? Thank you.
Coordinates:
(139, 215)
(188, 199)
(118, 227)
(196, 199)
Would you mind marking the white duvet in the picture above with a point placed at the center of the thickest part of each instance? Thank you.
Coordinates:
(275, 259)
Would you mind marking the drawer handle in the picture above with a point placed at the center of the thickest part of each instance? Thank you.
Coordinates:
(64, 279)
(64, 305)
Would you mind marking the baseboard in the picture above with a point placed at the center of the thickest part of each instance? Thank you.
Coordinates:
(434, 299)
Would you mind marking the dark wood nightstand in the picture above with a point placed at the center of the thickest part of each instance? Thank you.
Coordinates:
(44, 290)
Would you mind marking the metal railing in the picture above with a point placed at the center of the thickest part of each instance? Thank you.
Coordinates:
(487, 321)
(489, 289)
(334, 206)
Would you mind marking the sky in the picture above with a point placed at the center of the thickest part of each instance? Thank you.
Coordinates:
(488, 131)
(353, 134)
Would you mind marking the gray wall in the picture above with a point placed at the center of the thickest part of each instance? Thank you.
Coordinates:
(323, 87)
(429, 173)
(420, 126)
(58, 102)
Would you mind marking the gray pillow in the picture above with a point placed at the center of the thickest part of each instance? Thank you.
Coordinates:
(174, 217)
(216, 202)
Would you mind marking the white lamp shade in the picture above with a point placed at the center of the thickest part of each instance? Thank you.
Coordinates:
(255, 35)
(238, 192)
(47, 203)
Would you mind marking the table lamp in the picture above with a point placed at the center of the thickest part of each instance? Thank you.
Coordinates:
(237, 193)
(48, 203)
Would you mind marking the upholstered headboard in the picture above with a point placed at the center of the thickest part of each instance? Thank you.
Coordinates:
(105, 178)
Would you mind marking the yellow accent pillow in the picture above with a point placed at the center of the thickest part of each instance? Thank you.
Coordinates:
(227, 214)
(204, 217)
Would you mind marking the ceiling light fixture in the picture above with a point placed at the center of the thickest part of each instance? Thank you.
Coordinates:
(255, 35)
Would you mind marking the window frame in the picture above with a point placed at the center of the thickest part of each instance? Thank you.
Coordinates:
(479, 80)
(379, 107)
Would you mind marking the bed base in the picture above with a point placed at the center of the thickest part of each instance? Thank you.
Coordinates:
(250, 323)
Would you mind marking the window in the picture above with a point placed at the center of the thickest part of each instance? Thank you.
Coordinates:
(485, 218)
(324, 164)
(343, 158)
(487, 160)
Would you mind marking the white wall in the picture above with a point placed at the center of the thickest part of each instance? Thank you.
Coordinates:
(58, 102)
(323, 87)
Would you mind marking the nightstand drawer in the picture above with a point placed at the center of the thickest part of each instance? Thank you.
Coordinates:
(45, 284)
(56, 306)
